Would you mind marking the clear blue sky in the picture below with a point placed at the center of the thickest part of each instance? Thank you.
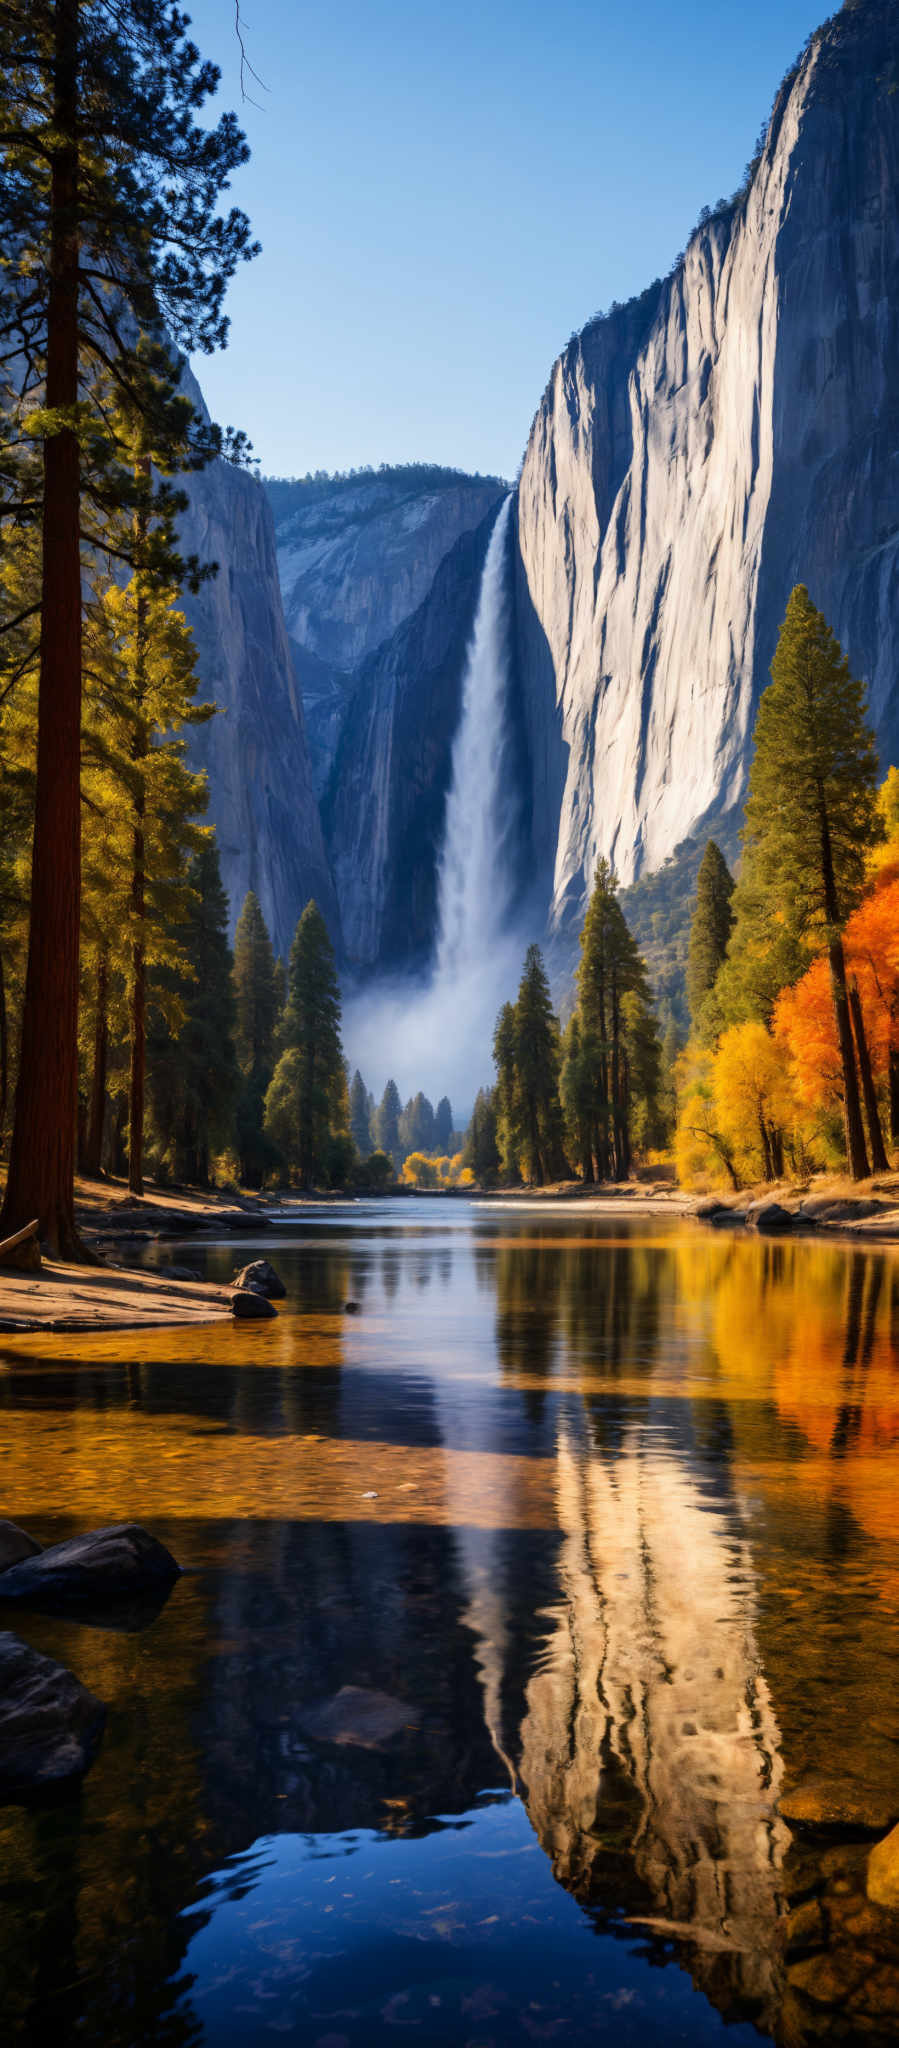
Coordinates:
(444, 192)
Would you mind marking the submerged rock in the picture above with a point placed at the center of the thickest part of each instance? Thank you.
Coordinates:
(250, 1306)
(50, 1725)
(835, 1803)
(771, 1216)
(261, 1277)
(359, 1716)
(883, 1872)
(106, 1564)
(179, 1273)
(15, 1544)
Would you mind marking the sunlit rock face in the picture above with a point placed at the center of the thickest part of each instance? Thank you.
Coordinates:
(649, 1750)
(262, 800)
(357, 557)
(699, 452)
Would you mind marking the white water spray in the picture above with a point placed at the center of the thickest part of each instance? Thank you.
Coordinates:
(440, 1038)
(474, 883)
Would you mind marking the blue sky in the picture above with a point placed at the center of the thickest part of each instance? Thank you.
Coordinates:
(443, 193)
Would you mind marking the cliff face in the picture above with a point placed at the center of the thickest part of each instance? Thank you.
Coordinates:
(262, 800)
(695, 455)
(384, 808)
(357, 556)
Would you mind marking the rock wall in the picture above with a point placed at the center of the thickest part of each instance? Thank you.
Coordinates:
(695, 455)
(262, 800)
(357, 556)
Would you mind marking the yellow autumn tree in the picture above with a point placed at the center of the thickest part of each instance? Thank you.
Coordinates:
(753, 1100)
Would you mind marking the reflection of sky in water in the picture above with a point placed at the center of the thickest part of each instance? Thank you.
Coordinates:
(459, 1936)
(605, 1516)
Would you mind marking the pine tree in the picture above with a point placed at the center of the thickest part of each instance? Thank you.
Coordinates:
(709, 932)
(537, 1060)
(481, 1152)
(811, 818)
(576, 1090)
(443, 1124)
(609, 972)
(112, 251)
(387, 1122)
(256, 1015)
(360, 1117)
(307, 1102)
(508, 1132)
(192, 1077)
(417, 1125)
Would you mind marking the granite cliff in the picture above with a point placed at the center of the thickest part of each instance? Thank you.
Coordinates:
(697, 453)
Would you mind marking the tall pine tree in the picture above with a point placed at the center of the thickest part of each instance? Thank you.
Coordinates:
(811, 818)
(388, 1124)
(113, 250)
(256, 1015)
(307, 1104)
(192, 1078)
(360, 1117)
(709, 933)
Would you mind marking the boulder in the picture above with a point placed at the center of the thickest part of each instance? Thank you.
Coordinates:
(358, 1716)
(351, 1308)
(882, 1883)
(771, 1217)
(50, 1725)
(829, 1804)
(262, 1278)
(249, 1307)
(15, 1544)
(117, 1563)
(179, 1273)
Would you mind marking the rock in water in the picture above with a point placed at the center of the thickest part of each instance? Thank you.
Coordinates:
(50, 1726)
(15, 1544)
(883, 1871)
(249, 1306)
(262, 1278)
(358, 1716)
(836, 1804)
(107, 1564)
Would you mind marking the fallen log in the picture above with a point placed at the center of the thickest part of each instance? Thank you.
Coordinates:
(22, 1251)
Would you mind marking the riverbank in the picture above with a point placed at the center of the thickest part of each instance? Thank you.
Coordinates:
(66, 1297)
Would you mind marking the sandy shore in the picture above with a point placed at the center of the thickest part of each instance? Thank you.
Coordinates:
(63, 1297)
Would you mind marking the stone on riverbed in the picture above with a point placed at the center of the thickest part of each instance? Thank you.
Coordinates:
(261, 1277)
(830, 1804)
(50, 1725)
(249, 1306)
(15, 1544)
(107, 1564)
(358, 1716)
(770, 1216)
(883, 1872)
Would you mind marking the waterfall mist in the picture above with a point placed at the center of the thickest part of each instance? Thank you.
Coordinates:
(439, 1036)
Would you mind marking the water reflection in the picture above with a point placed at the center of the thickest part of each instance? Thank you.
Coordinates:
(561, 1561)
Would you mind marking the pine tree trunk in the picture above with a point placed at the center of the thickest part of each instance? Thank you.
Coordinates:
(4, 1053)
(853, 1129)
(41, 1180)
(894, 1095)
(767, 1162)
(879, 1160)
(93, 1149)
(137, 1076)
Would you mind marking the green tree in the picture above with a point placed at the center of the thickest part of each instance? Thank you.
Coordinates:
(113, 251)
(307, 1103)
(577, 1082)
(508, 1132)
(255, 1018)
(616, 1026)
(387, 1124)
(709, 933)
(537, 1061)
(417, 1125)
(481, 1151)
(443, 1124)
(811, 819)
(192, 1076)
(360, 1117)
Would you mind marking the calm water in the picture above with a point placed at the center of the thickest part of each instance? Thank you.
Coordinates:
(515, 1603)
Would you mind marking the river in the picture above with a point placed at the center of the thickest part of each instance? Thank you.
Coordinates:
(518, 1600)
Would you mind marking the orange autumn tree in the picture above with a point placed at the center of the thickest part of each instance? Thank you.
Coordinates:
(804, 1021)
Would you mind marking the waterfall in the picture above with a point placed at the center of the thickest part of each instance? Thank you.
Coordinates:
(439, 1037)
(474, 883)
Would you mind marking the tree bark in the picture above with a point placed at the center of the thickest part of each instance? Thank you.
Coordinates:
(4, 1052)
(41, 1180)
(853, 1129)
(879, 1160)
(138, 1069)
(93, 1150)
(894, 1095)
